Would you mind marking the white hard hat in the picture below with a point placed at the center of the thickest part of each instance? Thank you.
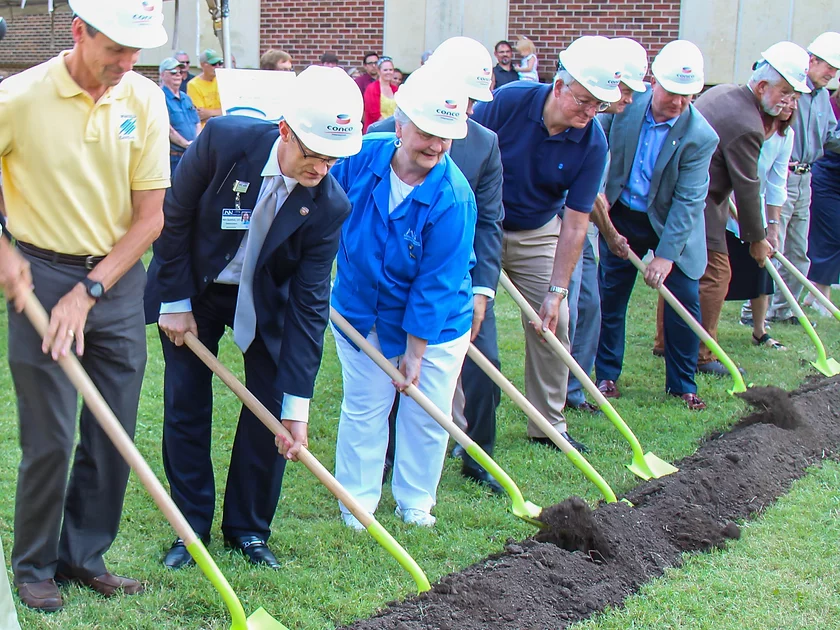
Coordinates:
(435, 103)
(465, 58)
(679, 68)
(590, 61)
(324, 109)
(791, 61)
(827, 48)
(129, 23)
(633, 57)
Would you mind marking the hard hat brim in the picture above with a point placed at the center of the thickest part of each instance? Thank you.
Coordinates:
(637, 85)
(602, 94)
(337, 148)
(683, 89)
(481, 94)
(132, 39)
(447, 131)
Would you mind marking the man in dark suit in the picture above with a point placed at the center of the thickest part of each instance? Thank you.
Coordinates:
(267, 278)
(479, 159)
(660, 149)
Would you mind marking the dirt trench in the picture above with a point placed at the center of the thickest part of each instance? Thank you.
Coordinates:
(589, 559)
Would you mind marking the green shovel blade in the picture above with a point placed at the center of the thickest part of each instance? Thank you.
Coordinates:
(828, 367)
(261, 620)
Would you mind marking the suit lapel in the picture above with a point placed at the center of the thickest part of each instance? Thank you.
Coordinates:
(297, 209)
(672, 141)
(248, 168)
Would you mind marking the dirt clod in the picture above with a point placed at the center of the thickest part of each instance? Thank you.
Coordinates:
(773, 406)
(571, 527)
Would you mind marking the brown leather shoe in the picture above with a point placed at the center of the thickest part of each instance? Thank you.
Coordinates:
(692, 401)
(107, 584)
(42, 595)
(608, 389)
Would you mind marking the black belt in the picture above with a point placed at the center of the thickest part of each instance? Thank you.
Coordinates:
(88, 262)
(799, 169)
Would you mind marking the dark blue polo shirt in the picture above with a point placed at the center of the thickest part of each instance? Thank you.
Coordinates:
(182, 116)
(542, 173)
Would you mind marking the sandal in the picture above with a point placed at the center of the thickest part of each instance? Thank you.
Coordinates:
(767, 340)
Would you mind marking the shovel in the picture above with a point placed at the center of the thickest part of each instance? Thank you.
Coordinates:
(823, 364)
(260, 620)
(545, 426)
(644, 465)
(374, 528)
(525, 510)
(819, 296)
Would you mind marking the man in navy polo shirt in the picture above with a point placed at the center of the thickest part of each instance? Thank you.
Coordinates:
(184, 123)
(554, 158)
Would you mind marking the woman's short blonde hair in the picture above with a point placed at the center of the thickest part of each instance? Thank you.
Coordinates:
(525, 47)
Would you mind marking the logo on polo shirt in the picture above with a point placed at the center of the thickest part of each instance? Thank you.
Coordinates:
(128, 127)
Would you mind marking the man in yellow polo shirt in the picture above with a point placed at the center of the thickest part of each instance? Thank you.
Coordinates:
(84, 146)
(204, 89)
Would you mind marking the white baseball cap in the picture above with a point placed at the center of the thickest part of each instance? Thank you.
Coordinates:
(467, 59)
(436, 103)
(790, 61)
(324, 109)
(634, 58)
(129, 23)
(590, 61)
(827, 48)
(679, 68)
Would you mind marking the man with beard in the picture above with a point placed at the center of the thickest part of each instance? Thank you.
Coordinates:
(503, 71)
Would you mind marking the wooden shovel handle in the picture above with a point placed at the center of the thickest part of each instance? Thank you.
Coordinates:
(112, 427)
(276, 427)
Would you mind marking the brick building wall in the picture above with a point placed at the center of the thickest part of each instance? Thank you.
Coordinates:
(554, 25)
(308, 28)
(28, 41)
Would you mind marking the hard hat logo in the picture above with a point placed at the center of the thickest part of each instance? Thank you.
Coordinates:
(451, 104)
(148, 5)
(342, 119)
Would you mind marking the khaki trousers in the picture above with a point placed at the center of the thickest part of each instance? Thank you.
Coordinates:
(714, 286)
(8, 615)
(528, 259)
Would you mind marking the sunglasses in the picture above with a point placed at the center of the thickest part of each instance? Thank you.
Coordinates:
(383, 60)
(327, 161)
(174, 72)
(218, 63)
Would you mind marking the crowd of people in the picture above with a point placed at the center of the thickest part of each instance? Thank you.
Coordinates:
(467, 169)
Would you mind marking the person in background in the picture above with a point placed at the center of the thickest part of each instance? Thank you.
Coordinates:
(276, 60)
(354, 73)
(184, 124)
(186, 76)
(397, 78)
(379, 95)
(329, 60)
(503, 72)
(425, 57)
(527, 68)
(370, 72)
(403, 282)
(204, 89)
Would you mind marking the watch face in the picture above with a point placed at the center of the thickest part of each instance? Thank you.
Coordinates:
(96, 290)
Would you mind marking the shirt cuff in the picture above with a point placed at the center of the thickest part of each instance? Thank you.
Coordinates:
(181, 306)
(484, 291)
(295, 408)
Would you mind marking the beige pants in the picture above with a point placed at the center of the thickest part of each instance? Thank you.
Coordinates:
(528, 259)
(8, 615)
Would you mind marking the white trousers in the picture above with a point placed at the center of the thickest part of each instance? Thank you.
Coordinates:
(420, 446)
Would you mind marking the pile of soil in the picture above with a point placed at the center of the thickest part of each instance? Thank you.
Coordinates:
(587, 560)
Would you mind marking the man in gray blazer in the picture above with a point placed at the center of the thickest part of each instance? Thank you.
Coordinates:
(479, 159)
(660, 150)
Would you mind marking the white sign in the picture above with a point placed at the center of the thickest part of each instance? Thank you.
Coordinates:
(255, 93)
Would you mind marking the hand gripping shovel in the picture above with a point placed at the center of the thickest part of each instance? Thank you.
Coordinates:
(739, 385)
(260, 620)
(823, 364)
(525, 510)
(818, 295)
(374, 528)
(644, 465)
(545, 426)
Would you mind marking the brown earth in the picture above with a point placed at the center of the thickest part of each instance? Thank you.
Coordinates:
(587, 560)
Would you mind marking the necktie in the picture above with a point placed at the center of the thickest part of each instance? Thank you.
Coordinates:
(245, 319)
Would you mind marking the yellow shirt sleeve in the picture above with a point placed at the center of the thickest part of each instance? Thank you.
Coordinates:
(152, 170)
(6, 124)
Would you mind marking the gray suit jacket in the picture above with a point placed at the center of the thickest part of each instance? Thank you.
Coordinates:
(479, 159)
(680, 179)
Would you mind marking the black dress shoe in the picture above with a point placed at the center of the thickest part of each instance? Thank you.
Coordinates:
(716, 368)
(178, 557)
(457, 451)
(578, 446)
(253, 548)
(482, 477)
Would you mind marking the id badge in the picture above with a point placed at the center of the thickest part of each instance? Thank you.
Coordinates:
(236, 219)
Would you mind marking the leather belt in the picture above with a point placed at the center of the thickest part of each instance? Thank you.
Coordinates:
(175, 153)
(799, 169)
(88, 262)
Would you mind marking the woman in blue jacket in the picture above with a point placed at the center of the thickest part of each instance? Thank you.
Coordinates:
(403, 281)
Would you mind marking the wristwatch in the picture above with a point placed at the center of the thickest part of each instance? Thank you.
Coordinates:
(563, 291)
(772, 222)
(94, 288)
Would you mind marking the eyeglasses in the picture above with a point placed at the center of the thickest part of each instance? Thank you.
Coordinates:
(371, 63)
(174, 73)
(599, 106)
(327, 161)
(218, 63)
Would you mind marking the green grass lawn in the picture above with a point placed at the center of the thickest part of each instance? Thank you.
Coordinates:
(331, 575)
